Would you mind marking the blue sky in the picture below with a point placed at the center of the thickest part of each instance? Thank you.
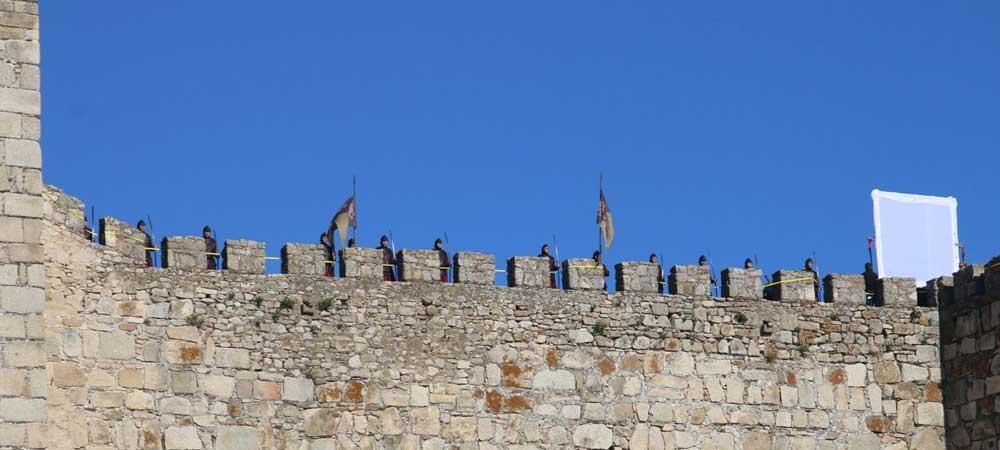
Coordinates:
(732, 128)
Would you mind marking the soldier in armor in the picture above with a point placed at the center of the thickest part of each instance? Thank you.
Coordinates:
(553, 265)
(211, 248)
(445, 264)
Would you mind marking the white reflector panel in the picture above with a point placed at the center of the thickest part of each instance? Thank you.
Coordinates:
(915, 235)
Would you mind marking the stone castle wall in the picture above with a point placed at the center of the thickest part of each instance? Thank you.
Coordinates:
(195, 359)
(23, 379)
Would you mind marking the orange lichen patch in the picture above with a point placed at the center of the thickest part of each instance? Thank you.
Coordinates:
(354, 391)
(877, 424)
(478, 393)
(836, 376)
(830, 327)
(934, 392)
(807, 337)
(494, 401)
(631, 363)
(671, 344)
(518, 404)
(551, 358)
(770, 352)
(652, 363)
(328, 393)
(234, 408)
(791, 379)
(606, 366)
(149, 439)
(190, 354)
(511, 372)
(128, 326)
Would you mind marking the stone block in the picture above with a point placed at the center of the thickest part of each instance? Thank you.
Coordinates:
(237, 358)
(896, 291)
(638, 277)
(528, 271)
(182, 438)
(22, 410)
(22, 299)
(795, 286)
(243, 256)
(592, 435)
(304, 259)
(24, 354)
(742, 283)
(237, 438)
(583, 274)
(691, 281)
(184, 253)
(969, 282)
(841, 288)
(65, 210)
(119, 346)
(298, 390)
(365, 263)
(940, 292)
(475, 268)
(419, 265)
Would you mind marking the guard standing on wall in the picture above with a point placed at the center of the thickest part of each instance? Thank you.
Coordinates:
(329, 253)
(871, 280)
(211, 248)
(659, 271)
(598, 264)
(703, 262)
(147, 242)
(445, 264)
(748, 264)
(350, 243)
(811, 267)
(553, 265)
(388, 259)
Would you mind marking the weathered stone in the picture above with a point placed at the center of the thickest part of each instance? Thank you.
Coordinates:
(475, 268)
(897, 292)
(840, 288)
(583, 274)
(554, 379)
(592, 436)
(526, 271)
(298, 390)
(638, 277)
(237, 438)
(690, 280)
(420, 265)
(182, 438)
(742, 283)
(795, 285)
(304, 259)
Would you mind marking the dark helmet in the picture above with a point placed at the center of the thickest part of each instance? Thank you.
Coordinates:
(207, 229)
(748, 262)
(702, 259)
(141, 224)
(597, 254)
(438, 242)
(384, 238)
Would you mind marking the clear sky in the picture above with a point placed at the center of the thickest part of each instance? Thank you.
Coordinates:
(733, 128)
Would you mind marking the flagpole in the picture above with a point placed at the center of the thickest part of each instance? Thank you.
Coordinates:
(600, 233)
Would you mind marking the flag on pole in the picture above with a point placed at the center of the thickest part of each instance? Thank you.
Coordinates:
(345, 217)
(604, 221)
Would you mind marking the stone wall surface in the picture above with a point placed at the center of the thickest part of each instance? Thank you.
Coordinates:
(841, 288)
(184, 253)
(124, 238)
(583, 273)
(23, 375)
(690, 280)
(244, 256)
(528, 271)
(742, 283)
(304, 259)
(638, 277)
(475, 268)
(178, 359)
(971, 362)
(360, 262)
(795, 286)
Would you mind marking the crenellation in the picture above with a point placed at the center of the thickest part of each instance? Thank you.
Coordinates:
(896, 291)
(124, 238)
(582, 274)
(638, 277)
(742, 283)
(475, 268)
(244, 256)
(64, 210)
(303, 259)
(940, 292)
(528, 271)
(419, 265)
(969, 282)
(364, 263)
(690, 280)
(795, 286)
(184, 253)
(991, 279)
(845, 288)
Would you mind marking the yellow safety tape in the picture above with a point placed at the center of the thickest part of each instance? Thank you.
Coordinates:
(212, 254)
(151, 248)
(793, 280)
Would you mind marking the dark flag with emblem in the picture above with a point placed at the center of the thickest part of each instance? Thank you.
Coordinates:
(345, 217)
(605, 221)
